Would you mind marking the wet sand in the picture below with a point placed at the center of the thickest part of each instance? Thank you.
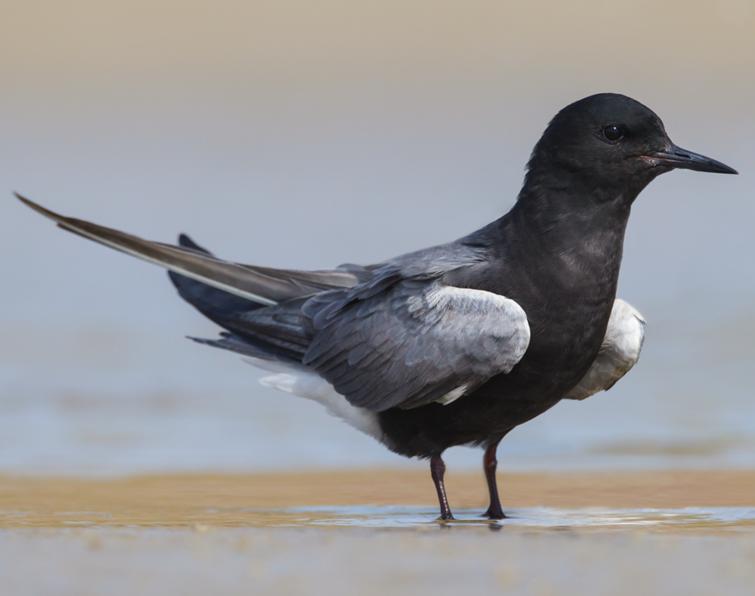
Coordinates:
(181, 500)
(373, 532)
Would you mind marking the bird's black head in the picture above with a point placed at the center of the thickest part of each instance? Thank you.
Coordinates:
(610, 145)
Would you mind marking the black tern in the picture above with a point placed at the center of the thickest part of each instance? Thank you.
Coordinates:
(460, 343)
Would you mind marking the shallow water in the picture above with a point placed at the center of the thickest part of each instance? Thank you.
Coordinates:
(366, 550)
(542, 518)
(698, 520)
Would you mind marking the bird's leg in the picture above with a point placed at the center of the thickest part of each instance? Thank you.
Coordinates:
(437, 471)
(490, 464)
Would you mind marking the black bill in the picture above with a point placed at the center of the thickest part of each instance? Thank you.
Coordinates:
(676, 157)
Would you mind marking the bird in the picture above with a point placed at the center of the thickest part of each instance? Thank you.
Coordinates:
(458, 343)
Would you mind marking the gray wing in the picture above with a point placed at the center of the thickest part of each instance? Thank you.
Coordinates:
(261, 285)
(619, 352)
(269, 286)
(414, 342)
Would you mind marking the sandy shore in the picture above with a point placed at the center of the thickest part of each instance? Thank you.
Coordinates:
(372, 532)
(176, 500)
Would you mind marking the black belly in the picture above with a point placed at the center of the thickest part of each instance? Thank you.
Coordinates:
(555, 362)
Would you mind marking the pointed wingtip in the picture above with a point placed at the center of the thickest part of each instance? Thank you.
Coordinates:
(24, 200)
(37, 207)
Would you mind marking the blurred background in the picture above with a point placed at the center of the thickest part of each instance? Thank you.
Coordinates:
(306, 134)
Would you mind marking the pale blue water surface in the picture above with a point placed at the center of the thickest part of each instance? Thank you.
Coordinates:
(286, 161)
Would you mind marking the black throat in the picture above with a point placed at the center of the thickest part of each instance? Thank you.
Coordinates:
(561, 243)
(573, 237)
(557, 253)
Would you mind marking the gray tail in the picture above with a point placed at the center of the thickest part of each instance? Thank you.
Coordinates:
(246, 333)
(213, 303)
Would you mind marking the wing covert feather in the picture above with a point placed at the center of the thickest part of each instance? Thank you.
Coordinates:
(415, 342)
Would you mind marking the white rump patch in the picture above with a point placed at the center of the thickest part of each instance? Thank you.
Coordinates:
(303, 383)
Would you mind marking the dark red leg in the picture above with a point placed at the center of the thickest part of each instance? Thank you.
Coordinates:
(437, 471)
(489, 464)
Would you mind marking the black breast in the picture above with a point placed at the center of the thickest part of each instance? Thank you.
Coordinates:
(567, 289)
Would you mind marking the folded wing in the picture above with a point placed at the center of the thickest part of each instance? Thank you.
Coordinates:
(388, 335)
(414, 343)
(619, 352)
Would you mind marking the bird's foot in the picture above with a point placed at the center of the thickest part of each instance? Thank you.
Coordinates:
(494, 513)
(446, 516)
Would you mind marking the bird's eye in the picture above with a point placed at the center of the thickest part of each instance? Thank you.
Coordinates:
(614, 132)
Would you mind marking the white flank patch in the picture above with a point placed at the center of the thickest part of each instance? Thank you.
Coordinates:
(619, 353)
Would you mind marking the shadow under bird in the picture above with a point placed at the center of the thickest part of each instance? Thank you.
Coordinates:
(460, 343)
